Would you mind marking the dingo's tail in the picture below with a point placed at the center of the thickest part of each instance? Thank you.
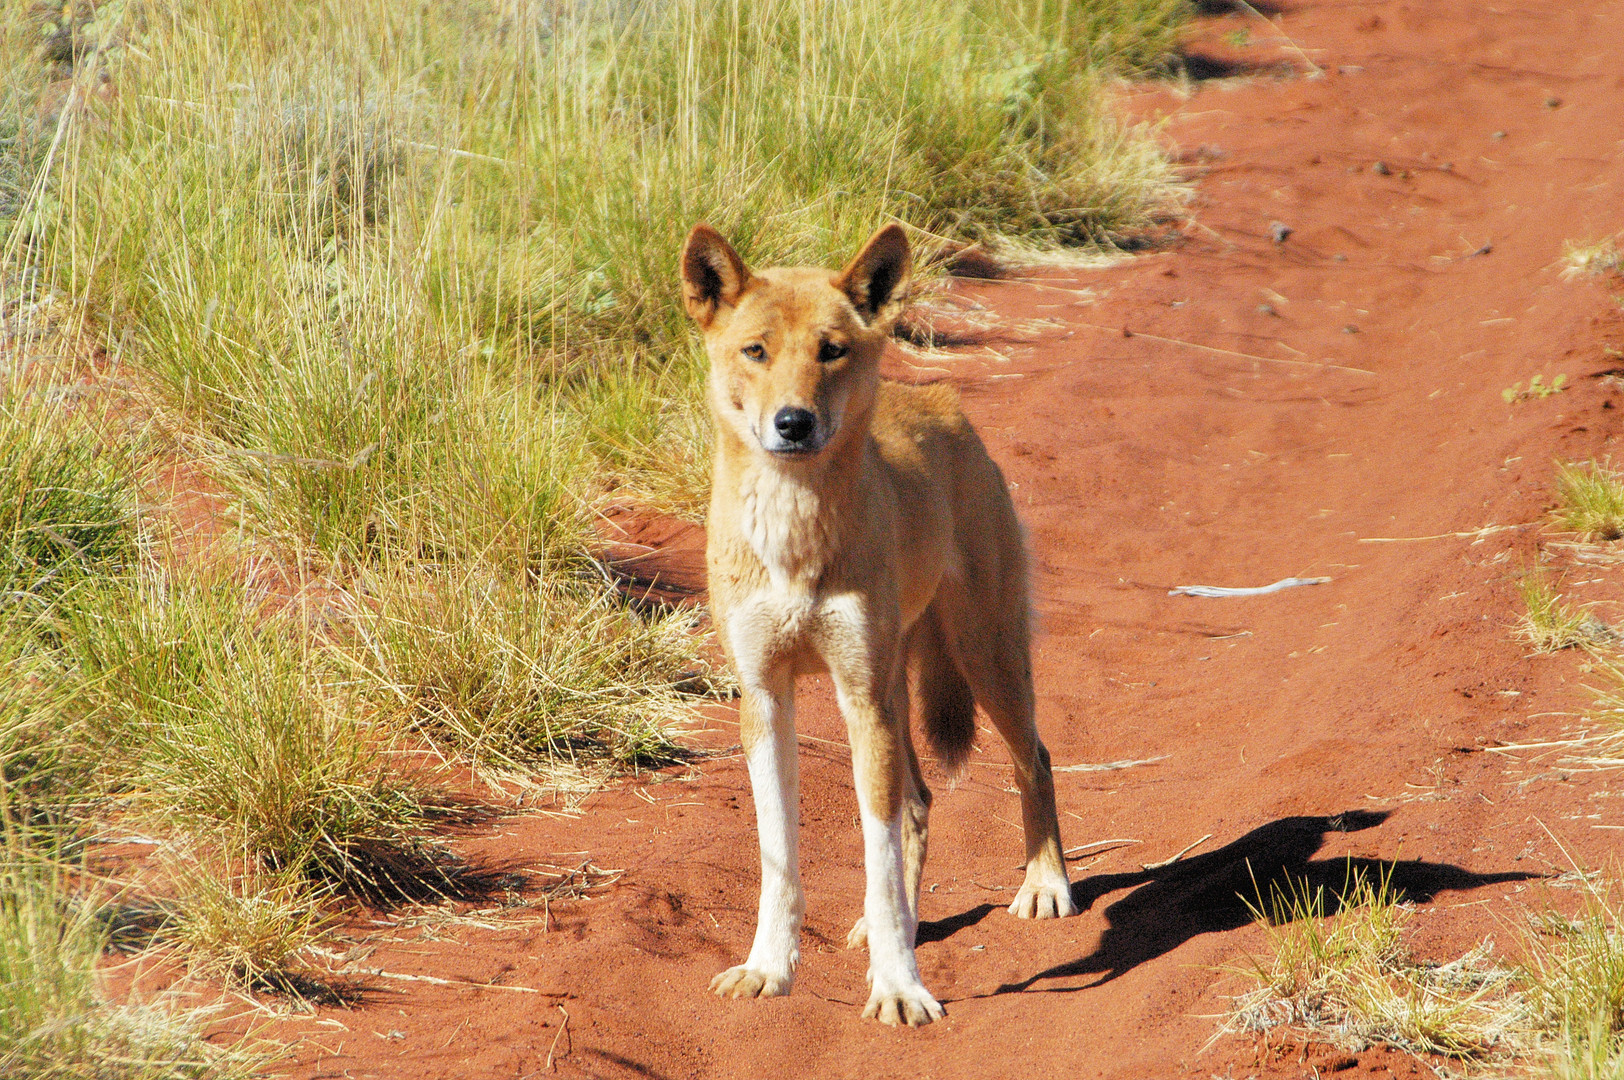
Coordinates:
(942, 696)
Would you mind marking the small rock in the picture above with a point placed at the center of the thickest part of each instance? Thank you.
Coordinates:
(1497, 135)
(1278, 231)
(1350, 69)
(1339, 257)
(1381, 169)
(1553, 102)
(1350, 329)
(1267, 309)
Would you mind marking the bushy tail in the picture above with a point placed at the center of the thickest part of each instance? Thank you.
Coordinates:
(943, 699)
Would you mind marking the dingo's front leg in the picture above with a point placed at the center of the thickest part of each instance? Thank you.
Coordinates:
(767, 732)
(896, 994)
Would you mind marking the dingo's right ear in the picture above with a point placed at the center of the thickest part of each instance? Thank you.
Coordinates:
(713, 275)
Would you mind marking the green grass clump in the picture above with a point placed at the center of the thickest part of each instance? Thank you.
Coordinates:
(1575, 977)
(54, 1022)
(42, 773)
(511, 671)
(67, 518)
(1346, 976)
(69, 497)
(214, 718)
(1550, 625)
(246, 925)
(1591, 501)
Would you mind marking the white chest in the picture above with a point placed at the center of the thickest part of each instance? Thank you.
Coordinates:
(782, 520)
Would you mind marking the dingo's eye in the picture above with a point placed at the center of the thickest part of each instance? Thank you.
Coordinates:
(755, 352)
(831, 350)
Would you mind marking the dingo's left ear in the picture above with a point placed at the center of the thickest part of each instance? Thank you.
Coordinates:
(713, 275)
(878, 276)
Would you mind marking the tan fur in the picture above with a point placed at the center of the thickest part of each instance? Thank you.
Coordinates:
(883, 542)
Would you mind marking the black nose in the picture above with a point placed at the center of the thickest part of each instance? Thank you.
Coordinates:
(794, 425)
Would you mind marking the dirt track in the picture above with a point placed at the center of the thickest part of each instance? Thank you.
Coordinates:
(1296, 728)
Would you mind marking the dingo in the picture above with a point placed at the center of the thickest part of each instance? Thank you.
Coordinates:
(858, 527)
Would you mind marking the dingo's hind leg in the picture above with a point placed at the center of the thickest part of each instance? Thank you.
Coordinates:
(992, 644)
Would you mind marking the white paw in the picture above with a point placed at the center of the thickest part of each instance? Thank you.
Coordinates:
(1047, 901)
(857, 937)
(747, 982)
(910, 1005)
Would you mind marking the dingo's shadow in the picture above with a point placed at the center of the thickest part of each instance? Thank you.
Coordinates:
(1209, 893)
(942, 929)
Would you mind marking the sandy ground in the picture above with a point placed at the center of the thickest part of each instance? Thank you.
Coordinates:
(1232, 411)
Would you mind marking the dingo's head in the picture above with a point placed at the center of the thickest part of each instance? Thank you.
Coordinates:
(794, 351)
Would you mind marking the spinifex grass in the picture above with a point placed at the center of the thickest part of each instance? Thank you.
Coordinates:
(1346, 976)
(401, 278)
(1591, 501)
(1549, 624)
(1337, 969)
(512, 670)
(66, 521)
(214, 717)
(1575, 975)
(43, 772)
(54, 1022)
(67, 508)
(246, 924)
(343, 238)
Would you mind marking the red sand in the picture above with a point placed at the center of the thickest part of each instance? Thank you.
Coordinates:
(1144, 453)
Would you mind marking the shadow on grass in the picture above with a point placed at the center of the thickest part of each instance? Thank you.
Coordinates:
(131, 925)
(1198, 66)
(1236, 7)
(326, 990)
(1211, 893)
(387, 875)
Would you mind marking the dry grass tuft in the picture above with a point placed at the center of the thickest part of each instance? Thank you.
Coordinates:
(1575, 979)
(1604, 748)
(1348, 978)
(511, 672)
(247, 926)
(54, 1022)
(1599, 259)
(1549, 624)
(1591, 500)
